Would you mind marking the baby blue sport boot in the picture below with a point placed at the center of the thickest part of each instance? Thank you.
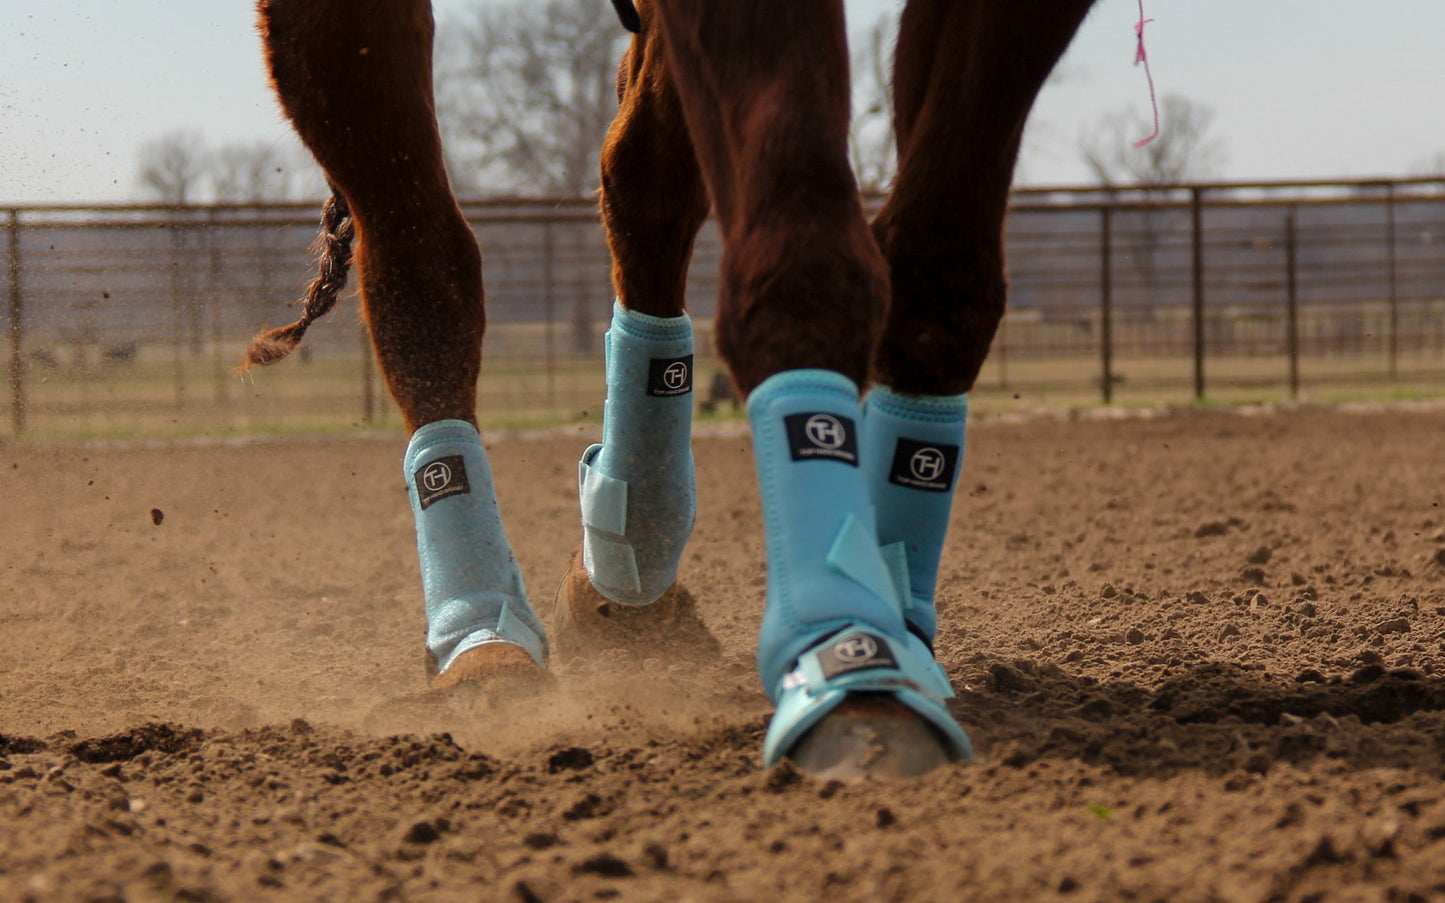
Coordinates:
(913, 445)
(834, 624)
(474, 592)
(637, 486)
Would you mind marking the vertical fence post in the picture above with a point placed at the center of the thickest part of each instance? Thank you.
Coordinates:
(1106, 302)
(17, 331)
(213, 298)
(549, 298)
(1394, 350)
(1291, 270)
(1196, 217)
(177, 310)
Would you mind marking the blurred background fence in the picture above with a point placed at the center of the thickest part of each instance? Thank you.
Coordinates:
(130, 320)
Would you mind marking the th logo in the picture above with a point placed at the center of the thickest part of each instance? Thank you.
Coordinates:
(669, 376)
(826, 431)
(927, 464)
(924, 465)
(436, 476)
(821, 436)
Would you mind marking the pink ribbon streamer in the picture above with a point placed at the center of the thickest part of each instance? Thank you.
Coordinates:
(1142, 56)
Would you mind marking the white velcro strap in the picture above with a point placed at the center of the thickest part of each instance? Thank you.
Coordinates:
(610, 564)
(604, 499)
(514, 630)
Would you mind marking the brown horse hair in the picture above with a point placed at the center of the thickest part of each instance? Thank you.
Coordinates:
(333, 251)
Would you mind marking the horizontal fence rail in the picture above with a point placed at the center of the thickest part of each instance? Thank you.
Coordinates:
(131, 320)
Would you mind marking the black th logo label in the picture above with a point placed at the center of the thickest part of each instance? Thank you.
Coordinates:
(826, 431)
(927, 464)
(817, 436)
(436, 477)
(856, 648)
(675, 376)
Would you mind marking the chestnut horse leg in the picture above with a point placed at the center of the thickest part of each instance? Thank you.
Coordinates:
(765, 91)
(967, 73)
(637, 485)
(354, 76)
(653, 197)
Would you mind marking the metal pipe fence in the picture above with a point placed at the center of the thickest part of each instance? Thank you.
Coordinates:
(130, 320)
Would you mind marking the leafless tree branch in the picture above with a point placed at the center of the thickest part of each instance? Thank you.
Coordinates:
(173, 166)
(871, 141)
(1184, 149)
(525, 94)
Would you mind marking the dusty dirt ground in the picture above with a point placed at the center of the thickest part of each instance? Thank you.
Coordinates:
(1201, 656)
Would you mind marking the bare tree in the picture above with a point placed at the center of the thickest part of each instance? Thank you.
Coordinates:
(257, 171)
(525, 94)
(172, 167)
(1183, 150)
(872, 144)
(1432, 166)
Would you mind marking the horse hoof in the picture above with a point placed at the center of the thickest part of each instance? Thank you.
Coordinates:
(870, 736)
(588, 624)
(491, 662)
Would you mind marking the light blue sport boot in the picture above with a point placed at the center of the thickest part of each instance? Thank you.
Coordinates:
(913, 445)
(473, 588)
(637, 486)
(834, 625)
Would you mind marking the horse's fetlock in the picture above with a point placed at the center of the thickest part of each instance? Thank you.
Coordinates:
(939, 329)
(790, 304)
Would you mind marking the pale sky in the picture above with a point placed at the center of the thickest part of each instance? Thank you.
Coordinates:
(1300, 88)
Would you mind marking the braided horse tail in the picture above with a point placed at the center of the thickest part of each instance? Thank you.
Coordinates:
(333, 250)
